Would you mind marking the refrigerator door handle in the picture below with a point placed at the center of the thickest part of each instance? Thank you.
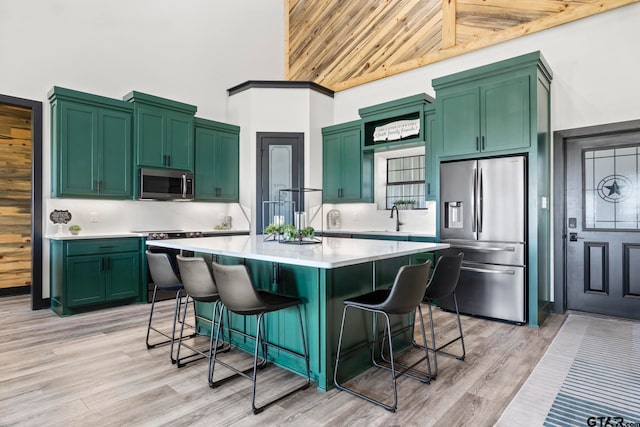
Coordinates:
(485, 249)
(473, 206)
(480, 204)
(484, 270)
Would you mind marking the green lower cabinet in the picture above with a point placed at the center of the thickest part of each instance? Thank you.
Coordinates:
(95, 273)
(322, 292)
(121, 269)
(85, 280)
(424, 256)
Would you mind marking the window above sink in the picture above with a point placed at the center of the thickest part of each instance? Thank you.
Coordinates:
(399, 176)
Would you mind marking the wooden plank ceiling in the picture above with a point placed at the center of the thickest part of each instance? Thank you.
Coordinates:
(15, 196)
(340, 44)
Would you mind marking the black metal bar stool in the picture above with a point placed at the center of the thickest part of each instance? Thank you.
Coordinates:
(403, 298)
(164, 278)
(239, 296)
(443, 284)
(199, 286)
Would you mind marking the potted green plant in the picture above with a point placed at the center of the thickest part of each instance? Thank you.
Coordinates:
(291, 233)
(273, 231)
(405, 204)
(75, 229)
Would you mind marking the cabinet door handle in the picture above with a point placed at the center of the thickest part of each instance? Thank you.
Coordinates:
(429, 188)
(169, 160)
(482, 143)
(477, 144)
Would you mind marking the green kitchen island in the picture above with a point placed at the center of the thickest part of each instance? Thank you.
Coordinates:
(322, 275)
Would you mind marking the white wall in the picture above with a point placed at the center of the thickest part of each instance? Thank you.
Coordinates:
(190, 51)
(279, 110)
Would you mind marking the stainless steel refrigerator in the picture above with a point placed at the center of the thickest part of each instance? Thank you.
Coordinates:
(482, 207)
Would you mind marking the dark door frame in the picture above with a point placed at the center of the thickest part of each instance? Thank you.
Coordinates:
(37, 302)
(560, 140)
(297, 138)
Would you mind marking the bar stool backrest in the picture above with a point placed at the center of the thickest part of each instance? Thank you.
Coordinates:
(408, 289)
(196, 277)
(236, 290)
(445, 276)
(161, 270)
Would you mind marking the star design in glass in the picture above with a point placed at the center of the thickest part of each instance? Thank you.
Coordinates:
(614, 188)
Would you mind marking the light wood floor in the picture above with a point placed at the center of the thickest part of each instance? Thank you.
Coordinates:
(94, 369)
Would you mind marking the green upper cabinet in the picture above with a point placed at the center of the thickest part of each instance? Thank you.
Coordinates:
(430, 163)
(91, 145)
(460, 128)
(163, 132)
(505, 114)
(490, 109)
(216, 161)
(347, 175)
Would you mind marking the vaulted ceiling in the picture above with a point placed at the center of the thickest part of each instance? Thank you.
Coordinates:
(340, 44)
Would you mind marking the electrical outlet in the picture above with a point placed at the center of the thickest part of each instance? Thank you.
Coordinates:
(94, 216)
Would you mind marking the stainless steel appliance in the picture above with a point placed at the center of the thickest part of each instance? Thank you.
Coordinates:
(166, 184)
(483, 215)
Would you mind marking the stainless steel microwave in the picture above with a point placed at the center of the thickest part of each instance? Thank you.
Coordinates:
(166, 184)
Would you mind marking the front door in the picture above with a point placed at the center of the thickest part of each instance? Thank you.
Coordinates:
(603, 224)
(280, 165)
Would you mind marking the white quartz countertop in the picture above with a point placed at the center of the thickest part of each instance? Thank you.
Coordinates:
(99, 235)
(333, 252)
(378, 232)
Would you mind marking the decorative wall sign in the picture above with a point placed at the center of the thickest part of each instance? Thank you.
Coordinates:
(397, 130)
(60, 216)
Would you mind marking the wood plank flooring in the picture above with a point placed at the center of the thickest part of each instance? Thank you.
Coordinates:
(94, 369)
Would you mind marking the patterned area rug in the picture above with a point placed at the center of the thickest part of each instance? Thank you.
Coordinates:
(589, 376)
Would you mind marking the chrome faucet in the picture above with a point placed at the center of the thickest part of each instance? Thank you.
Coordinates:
(398, 223)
